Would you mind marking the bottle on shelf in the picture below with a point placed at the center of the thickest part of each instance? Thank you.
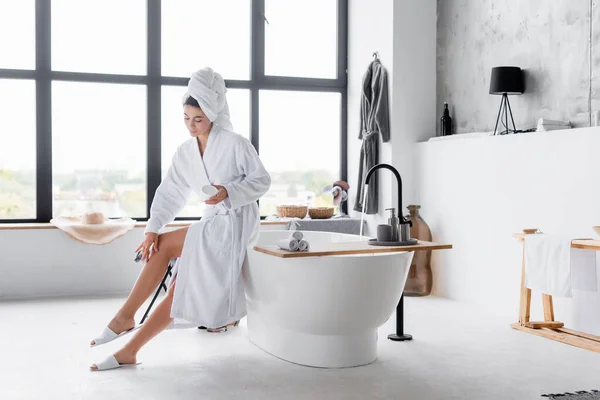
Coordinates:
(446, 122)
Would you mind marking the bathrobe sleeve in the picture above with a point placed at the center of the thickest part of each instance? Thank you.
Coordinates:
(364, 101)
(171, 196)
(382, 106)
(255, 181)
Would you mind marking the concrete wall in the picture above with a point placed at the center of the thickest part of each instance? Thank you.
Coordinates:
(555, 42)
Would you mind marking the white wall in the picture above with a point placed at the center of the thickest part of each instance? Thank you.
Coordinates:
(477, 192)
(403, 32)
(370, 29)
(46, 262)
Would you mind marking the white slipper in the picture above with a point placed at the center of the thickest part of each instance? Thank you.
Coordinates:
(111, 363)
(108, 335)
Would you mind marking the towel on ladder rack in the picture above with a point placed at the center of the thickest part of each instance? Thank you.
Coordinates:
(554, 268)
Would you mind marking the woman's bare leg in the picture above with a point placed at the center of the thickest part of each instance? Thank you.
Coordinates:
(156, 323)
(170, 246)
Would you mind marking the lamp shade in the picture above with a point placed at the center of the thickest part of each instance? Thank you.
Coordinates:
(507, 80)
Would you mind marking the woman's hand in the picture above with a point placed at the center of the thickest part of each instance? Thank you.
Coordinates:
(219, 197)
(150, 240)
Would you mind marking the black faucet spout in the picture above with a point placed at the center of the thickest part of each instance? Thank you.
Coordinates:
(401, 218)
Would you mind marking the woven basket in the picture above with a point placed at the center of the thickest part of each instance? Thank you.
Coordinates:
(321, 212)
(292, 211)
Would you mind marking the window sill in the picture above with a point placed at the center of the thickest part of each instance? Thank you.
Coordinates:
(22, 226)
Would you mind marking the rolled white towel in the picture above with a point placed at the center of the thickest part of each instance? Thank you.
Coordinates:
(303, 245)
(288, 244)
(296, 235)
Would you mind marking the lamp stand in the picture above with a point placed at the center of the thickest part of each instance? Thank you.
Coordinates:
(503, 112)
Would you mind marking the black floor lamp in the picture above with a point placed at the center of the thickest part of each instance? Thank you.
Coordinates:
(505, 81)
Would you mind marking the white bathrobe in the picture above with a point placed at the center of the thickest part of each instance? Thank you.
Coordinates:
(209, 290)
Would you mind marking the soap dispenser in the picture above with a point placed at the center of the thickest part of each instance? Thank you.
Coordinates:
(393, 222)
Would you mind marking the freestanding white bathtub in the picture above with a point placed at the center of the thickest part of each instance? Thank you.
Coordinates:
(321, 311)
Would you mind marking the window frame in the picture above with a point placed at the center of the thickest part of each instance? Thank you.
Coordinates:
(43, 75)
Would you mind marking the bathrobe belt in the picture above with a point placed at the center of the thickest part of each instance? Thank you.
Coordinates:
(220, 209)
(368, 134)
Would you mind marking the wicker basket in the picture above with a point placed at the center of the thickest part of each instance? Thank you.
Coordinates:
(321, 212)
(292, 211)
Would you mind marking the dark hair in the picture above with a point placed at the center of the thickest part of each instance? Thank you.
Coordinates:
(190, 101)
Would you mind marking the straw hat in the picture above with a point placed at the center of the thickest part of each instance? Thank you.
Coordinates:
(93, 227)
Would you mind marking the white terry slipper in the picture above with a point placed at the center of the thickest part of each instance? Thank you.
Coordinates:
(112, 363)
(108, 335)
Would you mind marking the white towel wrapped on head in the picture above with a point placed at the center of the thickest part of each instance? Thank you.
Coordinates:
(208, 88)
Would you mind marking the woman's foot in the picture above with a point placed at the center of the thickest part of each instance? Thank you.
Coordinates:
(119, 325)
(123, 357)
(221, 328)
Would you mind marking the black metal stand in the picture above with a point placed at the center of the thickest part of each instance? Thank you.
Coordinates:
(400, 336)
(161, 286)
(504, 111)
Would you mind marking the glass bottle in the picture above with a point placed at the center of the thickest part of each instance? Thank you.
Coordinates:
(446, 122)
(420, 277)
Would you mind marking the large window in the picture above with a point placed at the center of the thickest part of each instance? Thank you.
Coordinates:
(99, 163)
(17, 149)
(17, 34)
(299, 141)
(301, 38)
(206, 32)
(91, 98)
(107, 36)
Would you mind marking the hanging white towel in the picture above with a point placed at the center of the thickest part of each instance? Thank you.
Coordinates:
(554, 268)
(583, 270)
(548, 264)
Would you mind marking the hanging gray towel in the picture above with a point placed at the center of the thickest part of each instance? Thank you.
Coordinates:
(374, 122)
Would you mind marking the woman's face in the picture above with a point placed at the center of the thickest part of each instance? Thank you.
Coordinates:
(195, 120)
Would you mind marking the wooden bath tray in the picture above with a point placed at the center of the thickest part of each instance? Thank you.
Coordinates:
(347, 248)
(550, 328)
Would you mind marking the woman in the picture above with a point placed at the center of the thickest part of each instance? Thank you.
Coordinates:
(206, 288)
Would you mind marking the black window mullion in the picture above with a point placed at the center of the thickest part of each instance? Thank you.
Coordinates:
(154, 101)
(342, 42)
(342, 45)
(17, 73)
(43, 88)
(257, 51)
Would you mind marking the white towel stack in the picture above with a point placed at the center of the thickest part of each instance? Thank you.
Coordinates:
(545, 124)
(295, 242)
